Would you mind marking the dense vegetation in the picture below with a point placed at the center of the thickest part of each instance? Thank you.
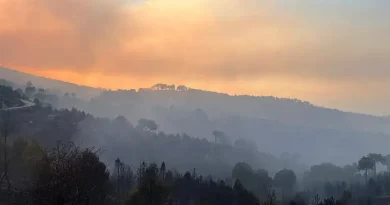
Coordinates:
(9, 97)
(139, 143)
(275, 125)
(67, 174)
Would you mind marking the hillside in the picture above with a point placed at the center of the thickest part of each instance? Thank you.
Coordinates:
(276, 125)
(287, 111)
(19, 79)
(218, 105)
(316, 134)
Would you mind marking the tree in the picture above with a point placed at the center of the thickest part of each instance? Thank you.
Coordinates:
(5, 129)
(123, 175)
(121, 121)
(182, 88)
(69, 175)
(351, 169)
(25, 154)
(220, 137)
(378, 158)
(147, 124)
(366, 163)
(162, 86)
(150, 189)
(243, 196)
(319, 174)
(118, 169)
(263, 182)
(40, 95)
(244, 173)
(387, 162)
(162, 171)
(285, 179)
(29, 90)
(29, 84)
(372, 188)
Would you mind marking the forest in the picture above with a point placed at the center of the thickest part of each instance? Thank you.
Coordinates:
(64, 156)
(275, 125)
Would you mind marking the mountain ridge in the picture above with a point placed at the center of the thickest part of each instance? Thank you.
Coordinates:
(20, 78)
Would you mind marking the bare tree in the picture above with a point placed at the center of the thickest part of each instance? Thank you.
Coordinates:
(123, 175)
(69, 175)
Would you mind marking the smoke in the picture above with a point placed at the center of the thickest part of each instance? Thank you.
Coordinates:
(227, 39)
(124, 43)
(46, 34)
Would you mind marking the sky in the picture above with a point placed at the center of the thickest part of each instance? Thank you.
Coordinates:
(334, 53)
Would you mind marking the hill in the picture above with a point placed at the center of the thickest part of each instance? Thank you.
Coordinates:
(216, 105)
(19, 80)
(275, 125)
(50, 148)
(284, 110)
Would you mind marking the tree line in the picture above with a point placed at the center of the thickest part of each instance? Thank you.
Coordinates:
(67, 174)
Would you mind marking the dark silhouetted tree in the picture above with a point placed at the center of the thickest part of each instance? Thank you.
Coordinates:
(124, 177)
(286, 180)
(244, 173)
(262, 182)
(147, 124)
(69, 175)
(29, 90)
(366, 163)
(162, 171)
(150, 189)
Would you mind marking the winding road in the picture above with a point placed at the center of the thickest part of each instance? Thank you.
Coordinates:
(27, 104)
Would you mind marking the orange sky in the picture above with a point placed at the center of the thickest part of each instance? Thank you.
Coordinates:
(333, 54)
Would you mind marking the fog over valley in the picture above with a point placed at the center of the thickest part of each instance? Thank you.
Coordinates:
(276, 126)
